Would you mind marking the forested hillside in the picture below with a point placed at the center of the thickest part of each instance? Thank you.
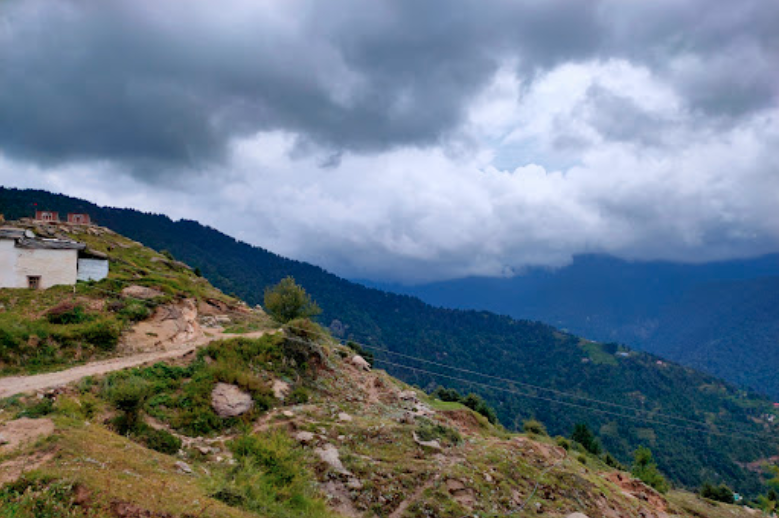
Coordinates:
(722, 318)
(524, 351)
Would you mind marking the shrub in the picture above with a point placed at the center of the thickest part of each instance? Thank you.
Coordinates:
(287, 301)
(584, 436)
(428, 430)
(563, 443)
(135, 311)
(103, 335)
(720, 493)
(128, 396)
(534, 426)
(67, 313)
(160, 440)
(645, 469)
(472, 401)
(298, 396)
(42, 408)
(611, 462)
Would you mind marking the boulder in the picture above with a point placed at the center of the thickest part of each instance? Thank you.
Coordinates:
(304, 437)
(329, 454)
(280, 389)
(360, 362)
(140, 292)
(433, 445)
(577, 515)
(230, 401)
(343, 416)
(183, 467)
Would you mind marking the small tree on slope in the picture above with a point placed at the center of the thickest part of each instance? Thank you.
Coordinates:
(287, 301)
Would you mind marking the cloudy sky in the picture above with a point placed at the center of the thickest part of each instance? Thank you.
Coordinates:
(405, 140)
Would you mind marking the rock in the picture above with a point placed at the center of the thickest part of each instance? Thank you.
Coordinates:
(408, 395)
(3, 440)
(407, 418)
(577, 515)
(140, 292)
(230, 401)
(355, 484)
(288, 413)
(280, 389)
(360, 362)
(204, 450)
(433, 445)
(82, 496)
(304, 437)
(343, 416)
(488, 477)
(183, 467)
(329, 454)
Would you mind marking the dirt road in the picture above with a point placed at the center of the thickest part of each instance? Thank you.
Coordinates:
(25, 384)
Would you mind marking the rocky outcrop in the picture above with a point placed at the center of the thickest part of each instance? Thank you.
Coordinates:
(171, 326)
(230, 401)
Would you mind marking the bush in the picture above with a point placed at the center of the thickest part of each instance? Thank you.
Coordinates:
(135, 311)
(128, 396)
(287, 301)
(67, 313)
(42, 408)
(160, 440)
(428, 430)
(584, 436)
(611, 462)
(720, 493)
(472, 401)
(645, 469)
(563, 443)
(534, 426)
(103, 335)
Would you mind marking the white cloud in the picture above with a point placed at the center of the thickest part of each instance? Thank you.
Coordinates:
(599, 156)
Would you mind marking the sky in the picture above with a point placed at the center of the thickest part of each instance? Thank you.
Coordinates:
(409, 141)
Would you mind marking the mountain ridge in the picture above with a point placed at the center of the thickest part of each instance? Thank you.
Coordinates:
(529, 351)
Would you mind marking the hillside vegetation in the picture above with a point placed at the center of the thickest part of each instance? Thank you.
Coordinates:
(523, 351)
(324, 437)
(721, 318)
(42, 330)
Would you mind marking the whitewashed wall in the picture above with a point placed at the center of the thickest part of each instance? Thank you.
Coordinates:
(53, 266)
(7, 264)
(92, 269)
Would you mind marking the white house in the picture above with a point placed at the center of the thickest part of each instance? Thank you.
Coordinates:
(30, 262)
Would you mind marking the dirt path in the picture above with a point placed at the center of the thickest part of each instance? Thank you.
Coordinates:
(24, 384)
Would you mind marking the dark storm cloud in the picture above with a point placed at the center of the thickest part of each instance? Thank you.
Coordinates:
(161, 85)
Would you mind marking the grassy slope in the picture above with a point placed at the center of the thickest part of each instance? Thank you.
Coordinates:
(29, 343)
(480, 470)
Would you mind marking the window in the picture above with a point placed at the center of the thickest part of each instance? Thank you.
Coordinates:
(34, 282)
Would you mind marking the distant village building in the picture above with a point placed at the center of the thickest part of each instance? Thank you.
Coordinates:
(78, 218)
(47, 216)
(27, 261)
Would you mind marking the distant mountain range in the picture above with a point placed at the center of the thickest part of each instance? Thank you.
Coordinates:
(527, 352)
(721, 318)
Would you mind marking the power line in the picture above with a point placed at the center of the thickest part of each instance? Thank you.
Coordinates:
(545, 389)
(569, 404)
(530, 386)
